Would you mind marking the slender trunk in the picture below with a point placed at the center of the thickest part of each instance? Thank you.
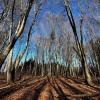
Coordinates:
(35, 68)
(57, 72)
(10, 70)
(42, 70)
(49, 69)
(88, 77)
(19, 31)
(10, 77)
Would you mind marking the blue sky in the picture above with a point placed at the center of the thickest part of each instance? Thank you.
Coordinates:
(54, 7)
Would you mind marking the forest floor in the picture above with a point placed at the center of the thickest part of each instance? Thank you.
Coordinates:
(49, 88)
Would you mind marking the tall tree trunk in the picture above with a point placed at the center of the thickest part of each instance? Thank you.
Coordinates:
(10, 69)
(88, 77)
(18, 33)
(50, 70)
(10, 76)
(57, 61)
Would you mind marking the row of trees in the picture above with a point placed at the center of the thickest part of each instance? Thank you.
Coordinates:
(66, 48)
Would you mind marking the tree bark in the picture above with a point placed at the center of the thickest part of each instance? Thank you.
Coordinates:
(10, 70)
(88, 77)
(19, 31)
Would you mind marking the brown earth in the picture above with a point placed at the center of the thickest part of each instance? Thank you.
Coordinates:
(49, 88)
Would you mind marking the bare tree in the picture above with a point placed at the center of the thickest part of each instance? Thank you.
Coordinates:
(80, 47)
(18, 32)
